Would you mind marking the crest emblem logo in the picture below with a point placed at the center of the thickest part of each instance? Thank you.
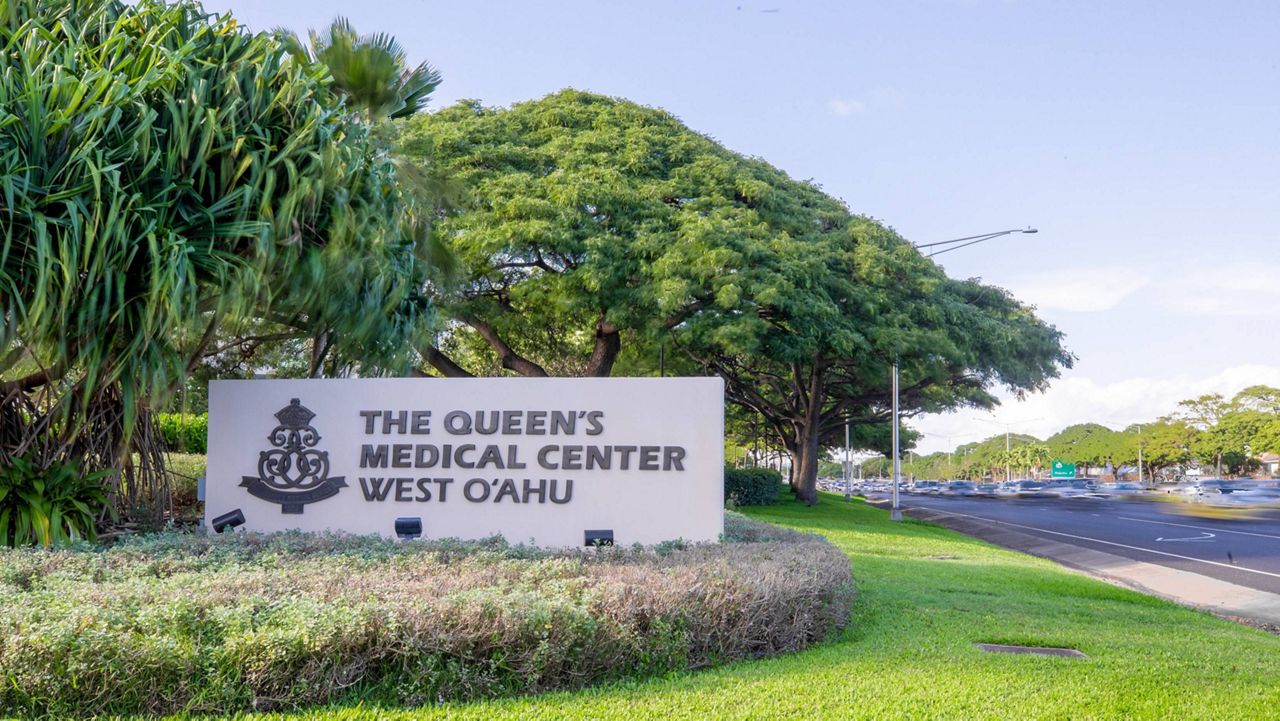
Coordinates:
(293, 473)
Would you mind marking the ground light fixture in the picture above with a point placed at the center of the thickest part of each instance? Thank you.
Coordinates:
(409, 528)
(233, 519)
(596, 538)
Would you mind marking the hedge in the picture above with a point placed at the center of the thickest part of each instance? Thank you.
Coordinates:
(751, 486)
(184, 432)
(174, 623)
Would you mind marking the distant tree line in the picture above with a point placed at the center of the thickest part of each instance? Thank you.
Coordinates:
(1221, 436)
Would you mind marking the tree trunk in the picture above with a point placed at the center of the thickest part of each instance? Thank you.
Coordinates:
(605, 351)
(804, 463)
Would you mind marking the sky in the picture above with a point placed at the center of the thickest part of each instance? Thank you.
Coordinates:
(1139, 138)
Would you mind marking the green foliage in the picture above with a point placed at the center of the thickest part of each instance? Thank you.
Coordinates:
(1088, 444)
(220, 624)
(370, 70)
(52, 506)
(751, 486)
(164, 173)
(595, 222)
(184, 432)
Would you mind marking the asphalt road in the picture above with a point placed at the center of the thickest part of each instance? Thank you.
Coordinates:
(1244, 552)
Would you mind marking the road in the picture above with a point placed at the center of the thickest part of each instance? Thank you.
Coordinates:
(1243, 552)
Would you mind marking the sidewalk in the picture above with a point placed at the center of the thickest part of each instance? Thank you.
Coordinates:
(1236, 602)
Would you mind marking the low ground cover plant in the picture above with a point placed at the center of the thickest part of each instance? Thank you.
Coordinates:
(48, 506)
(183, 622)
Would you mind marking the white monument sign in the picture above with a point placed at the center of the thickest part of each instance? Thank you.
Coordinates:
(553, 461)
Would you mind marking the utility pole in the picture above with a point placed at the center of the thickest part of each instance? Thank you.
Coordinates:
(1139, 454)
(896, 512)
(847, 471)
(1007, 475)
(954, 244)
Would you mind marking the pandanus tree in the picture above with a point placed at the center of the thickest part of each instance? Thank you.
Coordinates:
(165, 174)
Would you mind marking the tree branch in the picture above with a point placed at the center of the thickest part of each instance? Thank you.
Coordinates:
(511, 360)
(443, 363)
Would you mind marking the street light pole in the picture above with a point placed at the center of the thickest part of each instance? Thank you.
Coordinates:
(1008, 475)
(1139, 454)
(954, 244)
(895, 513)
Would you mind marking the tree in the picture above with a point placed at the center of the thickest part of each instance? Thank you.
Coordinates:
(370, 70)
(166, 174)
(1234, 438)
(1033, 457)
(597, 225)
(1089, 444)
(1265, 399)
(1166, 442)
(1202, 413)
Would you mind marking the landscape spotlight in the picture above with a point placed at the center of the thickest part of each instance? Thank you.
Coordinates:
(603, 537)
(408, 528)
(233, 519)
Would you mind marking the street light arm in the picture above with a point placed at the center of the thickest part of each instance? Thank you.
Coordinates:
(984, 236)
(971, 240)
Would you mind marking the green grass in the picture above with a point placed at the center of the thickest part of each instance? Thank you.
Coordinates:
(926, 595)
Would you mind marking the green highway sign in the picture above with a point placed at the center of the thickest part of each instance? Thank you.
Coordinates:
(1062, 469)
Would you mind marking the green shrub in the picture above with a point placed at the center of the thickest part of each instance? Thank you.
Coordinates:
(172, 622)
(184, 432)
(51, 506)
(751, 486)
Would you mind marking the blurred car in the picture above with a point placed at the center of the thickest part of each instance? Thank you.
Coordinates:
(1122, 489)
(926, 487)
(1029, 488)
(1074, 488)
(1221, 486)
(959, 488)
(987, 489)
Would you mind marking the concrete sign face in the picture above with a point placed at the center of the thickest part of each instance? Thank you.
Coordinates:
(552, 461)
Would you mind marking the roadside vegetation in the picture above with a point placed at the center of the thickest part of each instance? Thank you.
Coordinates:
(190, 622)
(1212, 433)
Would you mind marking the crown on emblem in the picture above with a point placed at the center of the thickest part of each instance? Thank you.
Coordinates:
(295, 415)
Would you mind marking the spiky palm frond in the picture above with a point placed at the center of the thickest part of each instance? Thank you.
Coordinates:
(371, 70)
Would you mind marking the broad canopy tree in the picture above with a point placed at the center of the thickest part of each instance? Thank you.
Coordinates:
(596, 226)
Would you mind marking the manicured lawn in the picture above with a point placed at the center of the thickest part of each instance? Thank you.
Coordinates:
(926, 595)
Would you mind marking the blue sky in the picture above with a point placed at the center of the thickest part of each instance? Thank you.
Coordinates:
(1138, 137)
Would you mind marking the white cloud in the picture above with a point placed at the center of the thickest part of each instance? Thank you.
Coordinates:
(1072, 400)
(847, 107)
(1234, 289)
(1080, 290)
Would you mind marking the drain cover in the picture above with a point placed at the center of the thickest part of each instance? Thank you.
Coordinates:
(1037, 650)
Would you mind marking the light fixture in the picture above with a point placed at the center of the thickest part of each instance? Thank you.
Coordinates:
(602, 537)
(409, 528)
(233, 519)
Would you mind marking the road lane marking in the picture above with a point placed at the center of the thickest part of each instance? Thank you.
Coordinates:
(1119, 545)
(1200, 528)
(1206, 537)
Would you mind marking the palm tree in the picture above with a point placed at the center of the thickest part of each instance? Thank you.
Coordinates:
(370, 70)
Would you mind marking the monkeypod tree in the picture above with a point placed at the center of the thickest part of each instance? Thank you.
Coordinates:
(596, 227)
(812, 336)
(165, 174)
